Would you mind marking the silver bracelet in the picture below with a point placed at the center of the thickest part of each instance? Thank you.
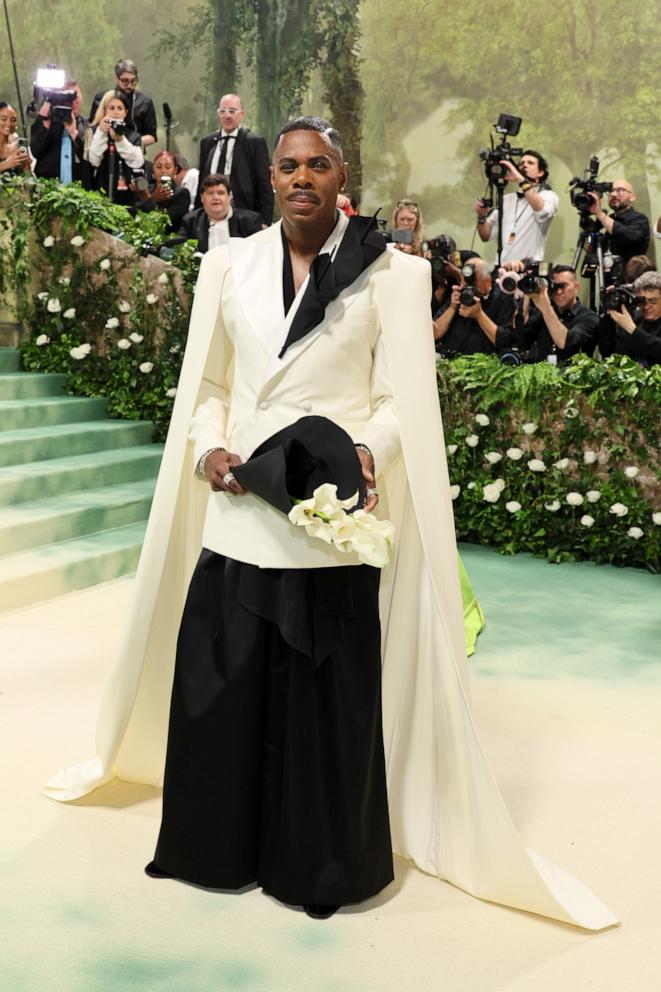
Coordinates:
(363, 447)
(199, 470)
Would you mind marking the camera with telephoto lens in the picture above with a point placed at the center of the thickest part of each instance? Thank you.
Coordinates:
(580, 189)
(469, 295)
(507, 126)
(442, 251)
(119, 127)
(534, 275)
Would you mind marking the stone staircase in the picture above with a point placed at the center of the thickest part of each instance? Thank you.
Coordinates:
(75, 488)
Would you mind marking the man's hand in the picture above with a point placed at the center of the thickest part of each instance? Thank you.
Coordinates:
(541, 299)
(44, 113)
(217, 465)
(473, 312)
(623, 319)
(513, 174)
(514, 266)
(367, 465)
(595, 204)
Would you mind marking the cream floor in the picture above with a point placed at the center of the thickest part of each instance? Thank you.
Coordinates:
(578, 759)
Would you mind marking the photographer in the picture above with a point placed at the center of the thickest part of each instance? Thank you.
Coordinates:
(558, 326)
(639, 334)
(464, 327)
(628, 230)
(115, 150)
(58, 145)
(14, 159)
(163, 193)
(141, 106)
(407, 216)
(527, 214)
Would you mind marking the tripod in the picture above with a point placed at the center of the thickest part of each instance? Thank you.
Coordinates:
(590, 242)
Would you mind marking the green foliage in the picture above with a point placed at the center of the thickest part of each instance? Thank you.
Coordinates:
(586, 424)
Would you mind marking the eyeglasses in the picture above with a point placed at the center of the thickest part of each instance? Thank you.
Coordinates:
(409, 204)
(232, 111)
(127, 80)
(620, 189)
(648, 301)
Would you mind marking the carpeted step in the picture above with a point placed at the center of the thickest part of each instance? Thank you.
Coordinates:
(67, 440)
(42, 573)
(10, 359)
(54, 477)
(31, 385)
(63, 518)
(21, 414)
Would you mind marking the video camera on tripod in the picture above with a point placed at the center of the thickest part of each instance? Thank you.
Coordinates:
(492, 158)
(49, 88)
(581, 188)
(582, 192)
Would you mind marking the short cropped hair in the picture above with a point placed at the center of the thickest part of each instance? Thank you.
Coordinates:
(311, 123)
(648, 280)
(543, 164)
(557, 269)
(215, 179)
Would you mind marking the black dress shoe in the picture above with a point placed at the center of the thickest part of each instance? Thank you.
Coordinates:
(154, 872)
(320, 912)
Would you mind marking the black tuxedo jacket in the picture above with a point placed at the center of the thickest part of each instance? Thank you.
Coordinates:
(46, 145)
(250, 179)
(242, 223)
(143, 113)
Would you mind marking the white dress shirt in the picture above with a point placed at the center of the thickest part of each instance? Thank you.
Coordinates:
(219, 231)
(232, 135)
(524, 230)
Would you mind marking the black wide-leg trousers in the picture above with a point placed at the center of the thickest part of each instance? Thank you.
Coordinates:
(275, 768)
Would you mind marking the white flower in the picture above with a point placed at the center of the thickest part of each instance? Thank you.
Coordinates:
(619, 509)
(471, 485)
(587, 520)
(104, 263)
(151, 298)
(42, 296)
(656, 518)
(635, 532)
(136, 338)
(570, 411)
(146, 367)
(123, 343)
(53, 305)
(70, 313)
(482, 419)
(198, 254)
(86, 348)
(64, 280)
(124, 306)
(49, 241)
(562, 464)
(593, 495)
(590, 457)
(324, 516)
(529, 428)
(500, 483)
(514, 454)
(80, 352)
(163, 279)
(553, 506)
(171, 392)
(513, 506)
(536, 465)
(451, 447)
(454, 491)
(472, 440)
(631, 471)
(42, 339)
(175, 349)
(77, 241)
(493, 457)
(491, 492)
(574, 499)
(112, 323)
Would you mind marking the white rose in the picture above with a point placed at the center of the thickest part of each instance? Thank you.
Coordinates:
(514, 454)
(587, 520)
(64, 280)
(171, 392)
(536, 465)
(553, 506)
(123, 344)
(151, 298)
(513, 506)
(562, 464)
(136, 338)
(631, 471)
(70, 313)
(500, 483)
(163, 279)
(574, 499)
(112, 323)
(593, 495)
(451, 447)
(656, 518)
(124, 307)
(146, 367)
(635, 532)
(482, 419)
(42, 339)
(454, 491)
(570, 411)
(104, 263)
(493, 457)
(471, 485)
(619, 509)
(77, 241)
(589, 457)
(49, 241)
(491, 492)
(175, 349)
(85, 348)
(53, 305)
(529, 428)
(42, 296)
(80, 352)
(472, 440)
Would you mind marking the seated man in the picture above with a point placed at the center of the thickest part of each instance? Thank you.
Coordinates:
(559, 326)
(628, 231)
(637, 335)
(216, 221)
(462, 329)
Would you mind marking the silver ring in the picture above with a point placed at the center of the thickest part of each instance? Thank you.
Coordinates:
(229, 477)
(371, 492)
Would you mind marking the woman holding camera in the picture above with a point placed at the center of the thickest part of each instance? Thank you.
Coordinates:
(408, 217)
(14, 159)
(163, 193)
(115, 150)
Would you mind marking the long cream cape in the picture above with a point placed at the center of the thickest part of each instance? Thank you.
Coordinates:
(447, 814)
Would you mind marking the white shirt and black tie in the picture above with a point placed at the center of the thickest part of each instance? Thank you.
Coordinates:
(221, 160)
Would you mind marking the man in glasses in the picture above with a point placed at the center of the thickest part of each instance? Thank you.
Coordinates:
(234, 151)
(639, 334)
(627, 229)
(143, 111)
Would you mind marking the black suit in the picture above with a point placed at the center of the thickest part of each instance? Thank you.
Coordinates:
(143, 112)
(250, 177)
(46, 146)
(242, 223)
